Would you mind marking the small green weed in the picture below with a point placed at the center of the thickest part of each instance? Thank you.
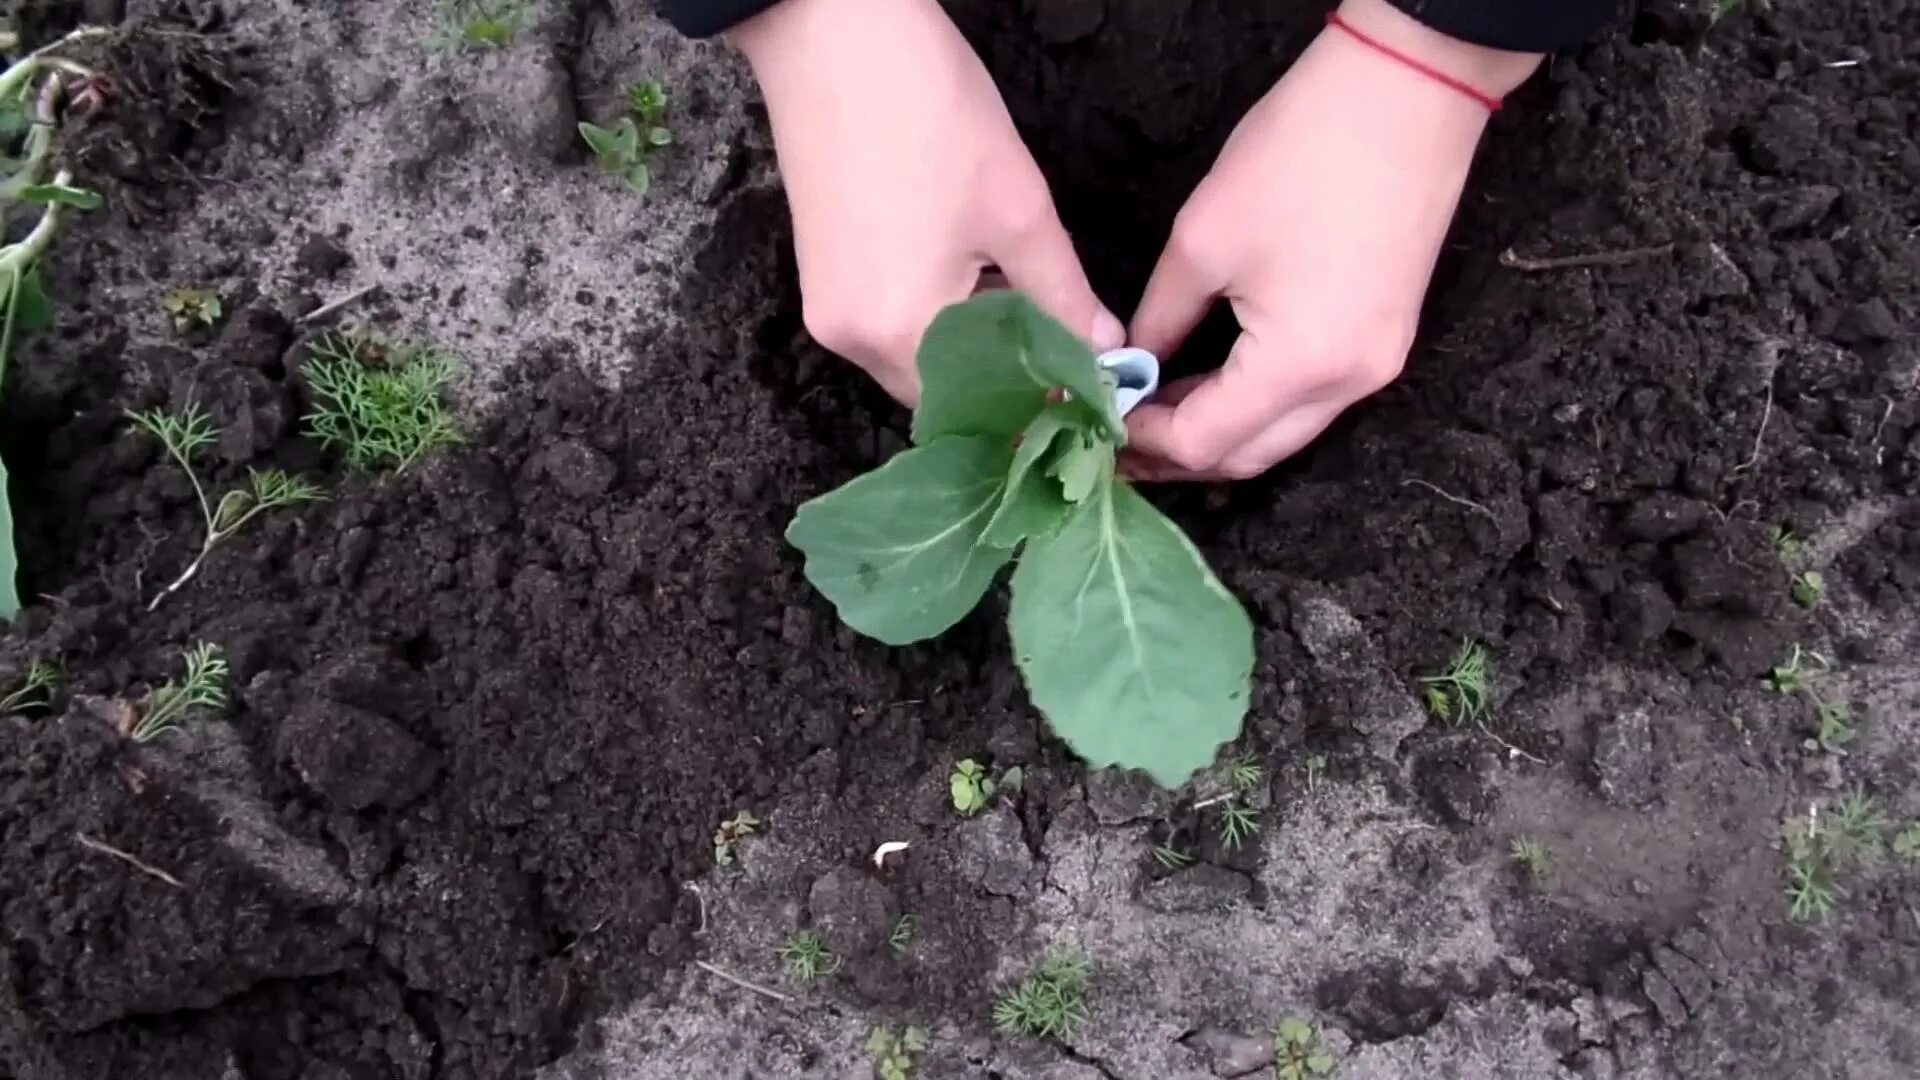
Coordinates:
(480, 24)
(894, 1053)
(1534, 859)
(1316, 767)
(35, 690)
(627, 148)
(1171, 858)
(1809, 587)
(1787, 544)
(807, 956)
(378, 404)
(900, 938)
(972, 790)
(1836, 725)
(185, 434)
(203, 687)
(192, 309)
(1051, 1001)
(728, 836)
(1459, 694)
(1818, 851)
(1298, 1051)
(1797, 673)
(1244, 773)
(1238, 822)
(1906, 843)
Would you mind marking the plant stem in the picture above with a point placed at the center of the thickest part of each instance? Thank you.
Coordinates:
(214, 537)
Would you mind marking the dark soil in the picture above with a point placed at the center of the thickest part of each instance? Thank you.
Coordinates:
(486, 716)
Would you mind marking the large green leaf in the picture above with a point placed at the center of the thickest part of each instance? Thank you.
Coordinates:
(9, 564)
(987, 364)
(1135, 652)
(1031, 503)
(899, 550)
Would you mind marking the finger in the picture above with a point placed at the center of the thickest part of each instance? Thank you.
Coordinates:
(1042, 263)
(1288, 436)
(1177, 298)
(1227, 410)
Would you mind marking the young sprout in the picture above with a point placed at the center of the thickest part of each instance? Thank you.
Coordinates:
(1238, 821)
(900, 939)
(35, 691)
(1906, 843)
(1051, 1001)
(1817, 851)
(1836, 725)
(380, 404)
(203, 687)
(1808, 588)
(807, 956)
(731, 832)
(1460, 692)
(1797, 672)
(1787, 544)
(184, 435)
(627, 148)
(1316, 767)
(1298, 1051)
(969, 787)
(191, 309)
(1534, 859)
(894, 1052)
(481, 24)
(1171, 858)
(1244, 773)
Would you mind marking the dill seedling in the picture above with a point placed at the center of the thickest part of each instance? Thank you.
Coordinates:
(807, 956)
(1817, 850)
(1238, 821)
(1051, 1001)
(203, 687)
(900, 939)
(36, 689)
(1459, 694)
(380, 405)
(1171, 858)
(1534, 859)
(1245, 773)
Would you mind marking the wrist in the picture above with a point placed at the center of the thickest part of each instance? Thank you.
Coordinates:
(1495, 73)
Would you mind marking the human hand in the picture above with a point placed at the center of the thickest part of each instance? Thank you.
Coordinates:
(1320, 223)
(906, 180)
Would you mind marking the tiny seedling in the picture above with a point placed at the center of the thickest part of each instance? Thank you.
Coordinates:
(1171, 858)
(1906, 843)
(1051, 1001)
(1238, 822)
(1298, 1051)
(894, 1052)
(379, 404)
(1459, 694)
(1836, 725)
(728, 836)
(35, 690)
(1788, 544)
(480, 24)
(807, 956)
(1244, 773)
(1819, 849)
(1534, 859)
(1797, 673)
(972, 790)
(627, 148)
(1808, 588)
(204, 686)
(1316, 767)
(185, 434)
(1132, 650)
(192, 309)
(900, 939)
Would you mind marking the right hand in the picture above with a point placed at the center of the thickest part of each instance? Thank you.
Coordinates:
(906, 180)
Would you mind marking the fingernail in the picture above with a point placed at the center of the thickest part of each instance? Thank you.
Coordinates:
(1108, 331)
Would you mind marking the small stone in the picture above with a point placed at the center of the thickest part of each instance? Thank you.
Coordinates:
(1205, 887)
(578, 469)
(1799, 208)
(993, 854)
(1663, 516)
(1118, 796)
(1230, 1052)
(852, 911)
(1623, 759)
(323, 258)
(1329, 632)
(353, 758)
(1591, 1022)
(1666, 1000)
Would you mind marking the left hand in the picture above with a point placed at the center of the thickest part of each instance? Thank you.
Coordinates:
(1320, 223)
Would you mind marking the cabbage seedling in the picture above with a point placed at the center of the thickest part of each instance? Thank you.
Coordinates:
(1129, 645)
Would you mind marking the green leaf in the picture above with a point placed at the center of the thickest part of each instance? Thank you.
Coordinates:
(1130, 646)
(1031, 504)
(659, 136)
(986, 366)
(9, 564)
(63, 194)
(898, 550)
(1080, 466)
(640, 179)
(33, 309)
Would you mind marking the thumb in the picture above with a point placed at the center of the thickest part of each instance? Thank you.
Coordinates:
(1041, 262)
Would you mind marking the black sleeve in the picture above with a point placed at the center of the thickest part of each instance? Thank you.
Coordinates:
(1517, 25)
(705, 18)
(1520, 25)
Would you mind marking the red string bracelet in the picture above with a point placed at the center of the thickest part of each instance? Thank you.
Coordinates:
(1492, 103)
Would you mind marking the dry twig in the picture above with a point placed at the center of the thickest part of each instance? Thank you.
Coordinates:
(144, 867)
(1455, 499)
(742, 983)
(1513, 260)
